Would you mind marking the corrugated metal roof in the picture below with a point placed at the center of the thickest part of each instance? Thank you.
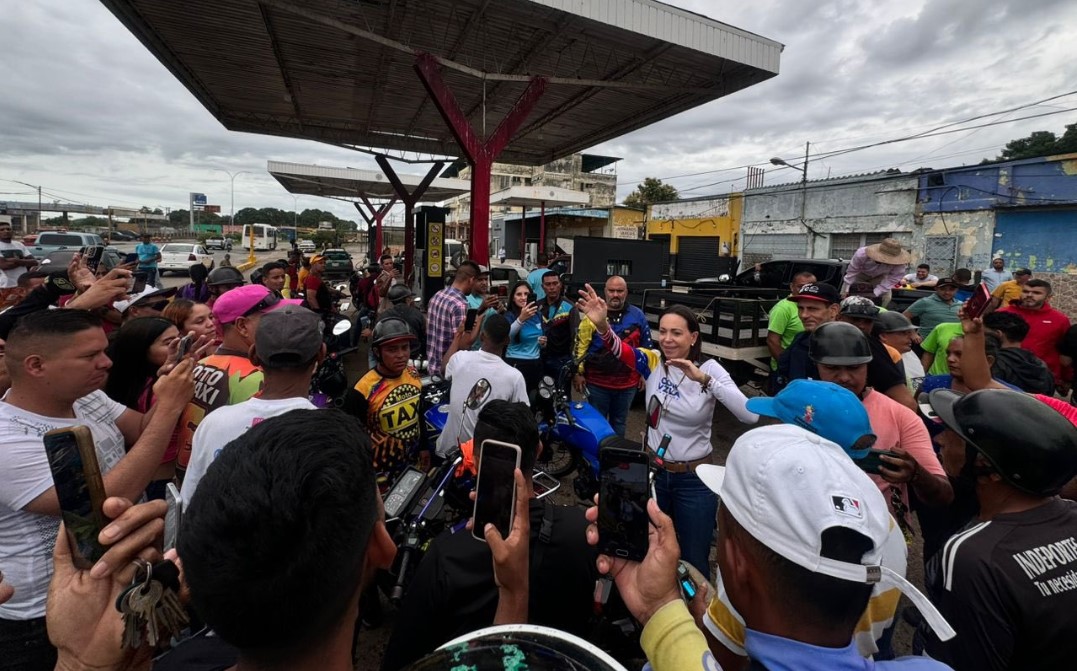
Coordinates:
(342, 71)
(317, 180)
(536, 196)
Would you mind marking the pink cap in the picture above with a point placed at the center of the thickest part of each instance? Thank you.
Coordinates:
(238, 302)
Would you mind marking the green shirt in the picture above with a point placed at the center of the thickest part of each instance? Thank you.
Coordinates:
(936, 342)
(932, 311)
(784, 319)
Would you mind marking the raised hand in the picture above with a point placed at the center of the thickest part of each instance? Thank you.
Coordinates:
(593, 307)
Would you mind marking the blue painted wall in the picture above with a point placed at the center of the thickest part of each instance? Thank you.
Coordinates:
(1044, 241)
(1034, 182)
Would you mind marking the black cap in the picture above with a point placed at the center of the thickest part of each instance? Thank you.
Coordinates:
(1022, 271)
(947, 282)
(817, 291)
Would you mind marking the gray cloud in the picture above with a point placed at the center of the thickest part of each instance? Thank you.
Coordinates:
(89, 113)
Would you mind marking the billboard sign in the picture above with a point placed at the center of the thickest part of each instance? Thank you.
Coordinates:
(198, 199)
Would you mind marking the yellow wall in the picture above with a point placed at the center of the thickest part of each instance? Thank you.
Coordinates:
(719, 216)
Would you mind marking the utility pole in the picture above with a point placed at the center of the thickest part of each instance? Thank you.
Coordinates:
(232, 217)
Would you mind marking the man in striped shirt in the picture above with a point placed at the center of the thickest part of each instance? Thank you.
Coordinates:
(446, 312)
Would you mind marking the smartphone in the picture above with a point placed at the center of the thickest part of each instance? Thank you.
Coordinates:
(469, 320)
(871, 462)
(184, 346)
(495, 487)
(531, 297)
(174, 516)
(544, 484)
(92, 256)
(624, 489)
(975, 306)
(689, 589)
(80, 490)
(137, 283)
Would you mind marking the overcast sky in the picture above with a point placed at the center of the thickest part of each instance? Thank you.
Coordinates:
(89, 114)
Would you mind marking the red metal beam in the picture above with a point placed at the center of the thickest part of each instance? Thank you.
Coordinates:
(374, 218)
(409, 200)
(480, 152)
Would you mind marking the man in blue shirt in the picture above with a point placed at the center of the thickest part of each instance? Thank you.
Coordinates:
(996, 274)
(148, 256)
(534, 278)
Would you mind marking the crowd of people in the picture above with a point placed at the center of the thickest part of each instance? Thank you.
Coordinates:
(797, 548)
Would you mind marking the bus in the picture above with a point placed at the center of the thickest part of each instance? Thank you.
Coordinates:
(265, 237)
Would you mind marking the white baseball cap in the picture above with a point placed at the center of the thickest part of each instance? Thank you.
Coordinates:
(785, 486)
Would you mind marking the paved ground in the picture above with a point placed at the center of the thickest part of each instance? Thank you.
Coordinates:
(725, 430)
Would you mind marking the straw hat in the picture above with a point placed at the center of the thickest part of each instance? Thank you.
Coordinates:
(888, 251)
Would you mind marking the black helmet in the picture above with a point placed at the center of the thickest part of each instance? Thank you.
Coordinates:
(398, 293)
(998, 424)
(892, 322)
(224, 275)
(256, 276)
(839, 344)
(390, 329)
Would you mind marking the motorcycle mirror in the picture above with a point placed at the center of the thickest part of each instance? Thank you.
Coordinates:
(724, 278)
(547, 381)
(435, 379)
(342, 327)
(545, 393)
(345, 306)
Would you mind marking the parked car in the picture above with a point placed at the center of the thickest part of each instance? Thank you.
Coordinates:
(503, 277)
(178, 257)
(123, 236)
(338, 263)
(62, 257)
(219, 243)
(51, 241)
(307, 246)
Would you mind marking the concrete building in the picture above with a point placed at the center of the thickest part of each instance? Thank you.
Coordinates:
(1024, 211)
(698, 230)
(828, 218)
(596, 175)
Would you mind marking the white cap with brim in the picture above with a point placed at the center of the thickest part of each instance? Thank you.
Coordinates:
(148, 292)
(785, 486)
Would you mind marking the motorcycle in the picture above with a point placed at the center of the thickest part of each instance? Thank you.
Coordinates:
(329, 383)
(572, 433)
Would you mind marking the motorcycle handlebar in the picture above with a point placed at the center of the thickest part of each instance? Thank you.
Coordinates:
(397, 592)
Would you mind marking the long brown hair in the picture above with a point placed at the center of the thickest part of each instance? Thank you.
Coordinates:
(695, 352)
(178, 312)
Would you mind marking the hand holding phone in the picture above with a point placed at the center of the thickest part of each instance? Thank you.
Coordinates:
(872, 462)
(975, 306)
(624, 489)
(469, 320)
(92, 257)
(495, 488)
(79, 489)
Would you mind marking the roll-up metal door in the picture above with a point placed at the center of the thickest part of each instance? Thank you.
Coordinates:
(696, 257)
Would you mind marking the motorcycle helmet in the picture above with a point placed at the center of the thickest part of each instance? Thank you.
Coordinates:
(996, 423)
(398, 293)
(892, 322)
(225, 275)
(390, 329)
(839, 344)
(522, 646)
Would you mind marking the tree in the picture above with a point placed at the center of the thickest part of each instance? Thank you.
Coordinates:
(1040, 143)
(651, 190)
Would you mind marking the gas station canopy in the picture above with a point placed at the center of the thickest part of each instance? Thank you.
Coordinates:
(316, 180)
(344, 71)
(539, 196)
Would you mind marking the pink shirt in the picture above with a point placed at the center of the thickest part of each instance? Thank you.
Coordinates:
(863, 268)
(897, 426)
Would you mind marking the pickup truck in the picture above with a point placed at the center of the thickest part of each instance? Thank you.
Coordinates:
(51, 241)
(734, 311)
(219, 243)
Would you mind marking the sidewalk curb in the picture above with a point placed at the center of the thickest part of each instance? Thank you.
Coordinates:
(245, 266)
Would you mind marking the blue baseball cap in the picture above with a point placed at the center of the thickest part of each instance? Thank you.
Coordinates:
(824, 408)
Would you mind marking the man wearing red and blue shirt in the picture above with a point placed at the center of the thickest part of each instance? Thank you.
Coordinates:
(610, 384)
(446, 312)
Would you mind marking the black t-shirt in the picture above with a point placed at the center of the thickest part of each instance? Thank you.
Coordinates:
(883, 373)
(1009, 589)
(453, 590)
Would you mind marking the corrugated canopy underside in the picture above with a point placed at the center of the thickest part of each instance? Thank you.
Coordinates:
(342, 71)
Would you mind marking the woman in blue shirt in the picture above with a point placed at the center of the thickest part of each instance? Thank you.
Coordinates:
(524, 333)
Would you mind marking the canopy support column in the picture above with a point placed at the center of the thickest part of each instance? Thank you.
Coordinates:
(374, 215)
(409, 200)
(480, 152)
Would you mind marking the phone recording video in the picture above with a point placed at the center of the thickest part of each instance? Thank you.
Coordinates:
(92, 257)
(872, 461)
(495, 487)
(531, 297)
(469, 320)
(174, 516)
(137, 283)
(622, 503)
(975, 306)
(184, 346)
(77, 477)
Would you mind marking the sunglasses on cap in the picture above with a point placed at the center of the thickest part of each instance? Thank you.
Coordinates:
(267, 302)
(158, 306)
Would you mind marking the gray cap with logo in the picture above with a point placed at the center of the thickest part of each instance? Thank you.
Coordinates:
(288, 337)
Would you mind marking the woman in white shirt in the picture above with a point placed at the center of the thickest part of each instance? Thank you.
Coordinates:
(681, 395)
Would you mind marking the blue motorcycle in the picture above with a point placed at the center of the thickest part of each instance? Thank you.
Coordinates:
(572, 434)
